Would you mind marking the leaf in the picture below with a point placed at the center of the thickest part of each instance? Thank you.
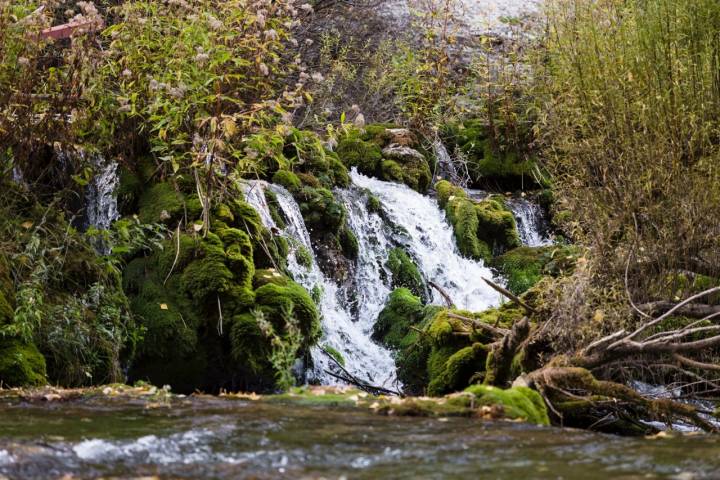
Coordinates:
(163, 306)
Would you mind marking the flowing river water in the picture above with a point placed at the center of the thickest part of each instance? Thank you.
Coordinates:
(206, 437)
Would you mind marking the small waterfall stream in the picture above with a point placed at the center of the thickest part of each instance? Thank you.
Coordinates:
(101, 207)
(363, 358)
(428, 237)
(532, 225)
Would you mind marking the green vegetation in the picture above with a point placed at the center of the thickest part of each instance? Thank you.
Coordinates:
(405, 273)
(525, 266)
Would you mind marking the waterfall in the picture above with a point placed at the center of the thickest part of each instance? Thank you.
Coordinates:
(101, 208)
(363, 358)
(532, 225)
(429, 239)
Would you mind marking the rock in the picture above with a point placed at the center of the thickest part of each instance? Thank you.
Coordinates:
(401, 136)
(396, 151)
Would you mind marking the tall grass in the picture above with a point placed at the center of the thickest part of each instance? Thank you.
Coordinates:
(629, 94)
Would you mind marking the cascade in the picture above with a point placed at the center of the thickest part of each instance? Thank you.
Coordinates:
(363, 358)
(426, 234)
(532, 225)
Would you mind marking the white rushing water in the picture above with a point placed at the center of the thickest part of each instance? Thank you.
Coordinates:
(429, 239)
(363, 358)
(532, 225)
(101, 207)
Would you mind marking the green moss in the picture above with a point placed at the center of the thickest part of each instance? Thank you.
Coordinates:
(129, 189)
(374, 205)
(338, 171)
(269, 275)
(523, 267)
(392, 171)
(321, 211)
(517, 402)
(274, 207)
(335, 354)
(462, 215)
(287, 179)
(366, 156)
(454, 371)
(303, 256)
(401, 311)
(446, 190)
(489, 162)
(160, 203)
(349, 243)
(404, 272)
(496, 225)
(246, 218)
(21, 364)
(266, 341)
(417, 175)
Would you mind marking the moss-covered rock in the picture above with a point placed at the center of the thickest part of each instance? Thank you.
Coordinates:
(21, 364)
(287, 179)
(496, 225)
(405, 273)
(391, 171)
(365, 155)
(482, 228)
(520, 403)
(402, 311)
(160, 203)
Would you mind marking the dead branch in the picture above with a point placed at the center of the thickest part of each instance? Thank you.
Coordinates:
(692, 310)
(510, 295)
(496, 331)
(443, 293)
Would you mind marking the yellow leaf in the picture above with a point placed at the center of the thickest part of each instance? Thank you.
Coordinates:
(197, 227)
(27, 225)
(229, 127)
(163, 306)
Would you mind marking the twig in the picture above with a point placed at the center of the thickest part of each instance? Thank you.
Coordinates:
(509, 295)
(177, 254)
(443, 293)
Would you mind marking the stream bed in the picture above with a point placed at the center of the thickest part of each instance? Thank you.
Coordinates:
(212, 437)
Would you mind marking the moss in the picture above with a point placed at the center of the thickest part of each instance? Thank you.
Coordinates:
(378, 133)
(517, 402)
(287, 179)
(266, 341)
(523, 267)
(446, 190)
(489, 162)
(404, 272)
(129, 189)
(303, 256)
(401, 311)
(278, 301)
(457, 369)
(21, 364)
(349, 243)
(160, 203)
(335, 354)
(392, 171)
(246, 218)
(496, 225)
(374, 205)
(321, 211)
(338, 171)
(269, 275)
(274, 208)
(462, 215)
(366, 156)
(417, 175)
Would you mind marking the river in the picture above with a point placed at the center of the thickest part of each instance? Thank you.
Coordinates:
(214, 437)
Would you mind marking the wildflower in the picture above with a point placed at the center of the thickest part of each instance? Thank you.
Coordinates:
(23, 61)
(264, 69)
(271, 34)
(317, 77)
(127, 73)
(201, 58)
(214, 23)
(306, 7)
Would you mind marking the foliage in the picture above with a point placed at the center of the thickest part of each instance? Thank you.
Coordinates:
(630, 105)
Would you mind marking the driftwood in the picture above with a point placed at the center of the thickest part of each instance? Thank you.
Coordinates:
(692, 310)
(351, 379)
